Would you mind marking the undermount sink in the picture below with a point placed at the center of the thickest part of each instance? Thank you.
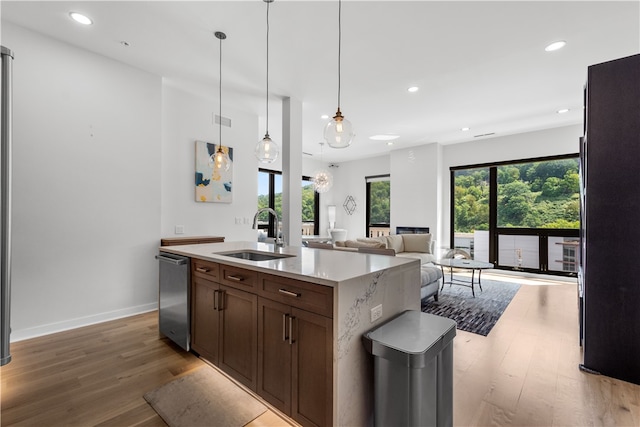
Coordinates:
(255, 255)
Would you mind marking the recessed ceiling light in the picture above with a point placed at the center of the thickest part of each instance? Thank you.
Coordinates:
(464, 129)
(390, 143)
(413, 89)
(324, 116)
(562, 111)
(79, 17)
(384, 137)
(555, 46)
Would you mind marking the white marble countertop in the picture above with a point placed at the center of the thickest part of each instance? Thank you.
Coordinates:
(321, 266)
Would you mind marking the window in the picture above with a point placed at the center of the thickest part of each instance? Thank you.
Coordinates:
(378, 205)
(270, 196)
(310, 205)
(539, 195)
(471, 212)
(521, 215)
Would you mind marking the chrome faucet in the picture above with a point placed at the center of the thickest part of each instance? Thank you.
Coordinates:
(279, 241)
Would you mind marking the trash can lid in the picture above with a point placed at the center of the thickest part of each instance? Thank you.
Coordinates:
(411, 338)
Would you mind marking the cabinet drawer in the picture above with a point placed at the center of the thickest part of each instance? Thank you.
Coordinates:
(237, 277)
(205, 269)
(307, 296)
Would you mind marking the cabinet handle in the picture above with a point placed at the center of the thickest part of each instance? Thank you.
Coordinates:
(236, 278)
(284, 327)
(215, 299)
(221, 300)
(291, 294)
(202, 269)
(291, 341)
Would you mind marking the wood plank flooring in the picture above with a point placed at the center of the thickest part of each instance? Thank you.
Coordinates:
(524, 373)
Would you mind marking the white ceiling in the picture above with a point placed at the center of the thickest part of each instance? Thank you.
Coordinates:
(478, 64)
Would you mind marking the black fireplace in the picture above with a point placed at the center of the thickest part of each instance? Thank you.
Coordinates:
(412, 230)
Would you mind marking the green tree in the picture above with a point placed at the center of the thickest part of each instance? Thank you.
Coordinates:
(308, 203)
(514, 199)
(380, 197)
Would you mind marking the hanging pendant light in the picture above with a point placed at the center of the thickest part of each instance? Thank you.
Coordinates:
(322, 178)
(220, 159)
(339, 132)
(266, 150)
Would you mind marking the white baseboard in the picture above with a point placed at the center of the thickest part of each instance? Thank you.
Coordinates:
(52, 328)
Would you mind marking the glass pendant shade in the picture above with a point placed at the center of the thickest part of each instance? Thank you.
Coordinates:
(266, 150)
(322, 181)
(220, 160)
(338, 133)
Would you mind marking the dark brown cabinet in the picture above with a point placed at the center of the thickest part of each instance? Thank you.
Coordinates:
(295, 350)
(224, 324)
(274, 334)
(204, 323)
(610, 230)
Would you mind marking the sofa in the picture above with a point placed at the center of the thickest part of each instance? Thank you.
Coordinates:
(419, 246)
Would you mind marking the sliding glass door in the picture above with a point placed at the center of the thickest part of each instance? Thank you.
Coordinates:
(471, 212)
(520, 215)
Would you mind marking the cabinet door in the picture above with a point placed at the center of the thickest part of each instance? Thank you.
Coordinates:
(312, 368)
(238, 335)
(204, 320)
(274, 354)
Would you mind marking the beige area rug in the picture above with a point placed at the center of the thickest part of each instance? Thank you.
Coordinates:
(204, 398)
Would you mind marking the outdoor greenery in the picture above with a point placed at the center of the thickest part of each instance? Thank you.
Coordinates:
(307, 204)
(380, 198)
(530, 195)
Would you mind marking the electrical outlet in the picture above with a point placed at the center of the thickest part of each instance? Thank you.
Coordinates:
(376, 313)
(238, 220)
(179, 229)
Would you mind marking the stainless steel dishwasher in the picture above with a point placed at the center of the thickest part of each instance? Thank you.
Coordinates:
(173, 300)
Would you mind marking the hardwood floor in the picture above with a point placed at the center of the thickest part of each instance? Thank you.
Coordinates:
(525, 372)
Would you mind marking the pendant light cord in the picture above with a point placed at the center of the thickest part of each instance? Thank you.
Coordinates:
(220, 98)
(339, 46)
(267, 97)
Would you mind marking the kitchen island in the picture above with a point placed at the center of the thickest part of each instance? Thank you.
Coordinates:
(351, 283)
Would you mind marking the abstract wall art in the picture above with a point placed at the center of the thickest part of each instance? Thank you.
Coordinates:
(212, 185)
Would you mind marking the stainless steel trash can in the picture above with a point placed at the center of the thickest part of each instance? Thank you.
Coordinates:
(413, 370)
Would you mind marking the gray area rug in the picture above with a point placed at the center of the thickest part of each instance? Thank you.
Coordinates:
(204, 398)
(477, 315)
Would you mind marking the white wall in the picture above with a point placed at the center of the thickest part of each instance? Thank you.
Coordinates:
(414, 191)
(86, 180)
(349, 180)
(187, 117)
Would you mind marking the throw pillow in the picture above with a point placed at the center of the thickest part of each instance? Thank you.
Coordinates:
(417, 243)
(394, 241)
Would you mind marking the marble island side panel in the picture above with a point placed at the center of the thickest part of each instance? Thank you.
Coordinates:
(397, 289)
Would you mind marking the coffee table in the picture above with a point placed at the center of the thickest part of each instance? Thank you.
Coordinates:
(468, 264)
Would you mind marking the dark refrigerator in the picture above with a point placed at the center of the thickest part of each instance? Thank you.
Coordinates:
(610, 156)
